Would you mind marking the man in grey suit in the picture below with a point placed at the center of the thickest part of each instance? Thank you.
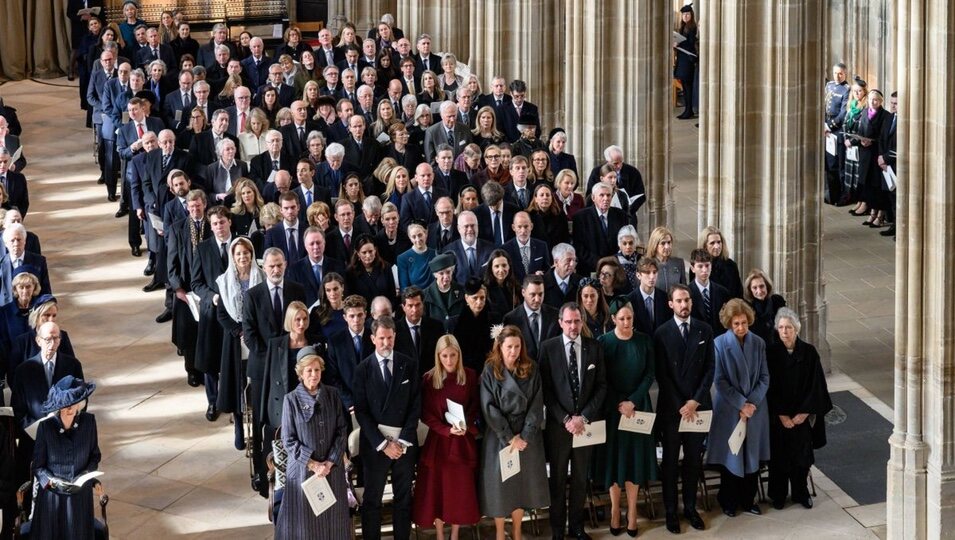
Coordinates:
(448, 132)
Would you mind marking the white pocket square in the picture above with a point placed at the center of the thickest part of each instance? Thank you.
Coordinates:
(591, 366)
(702, 342)
(404, 381)
(537, 259)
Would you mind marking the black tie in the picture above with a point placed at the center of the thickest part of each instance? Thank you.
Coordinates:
(155, 54)
(451, 138)
(445, 237)
(706, 303)
(275, 165)
(416, 338)
(535, 327)
(165, 161)
(277, 307)
(685, 330)
(224, 253)
(301, 136)
(574, 375)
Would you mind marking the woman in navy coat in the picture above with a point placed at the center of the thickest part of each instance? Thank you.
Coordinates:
(66, 447)
(741, 380)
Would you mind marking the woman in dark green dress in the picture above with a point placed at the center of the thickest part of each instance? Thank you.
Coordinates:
(629, 459)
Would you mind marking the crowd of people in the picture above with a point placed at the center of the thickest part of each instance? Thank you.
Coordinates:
(355, 241)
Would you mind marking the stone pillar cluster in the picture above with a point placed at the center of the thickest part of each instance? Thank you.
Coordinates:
(760, 172)
(861, 34)
(445, 20)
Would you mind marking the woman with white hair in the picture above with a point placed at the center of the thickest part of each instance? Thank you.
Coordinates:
(222, 174)
(629, 241)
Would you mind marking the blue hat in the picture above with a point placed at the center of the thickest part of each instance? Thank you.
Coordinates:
(307, 350)
(27, 269)
(42, 299)
(67, 391)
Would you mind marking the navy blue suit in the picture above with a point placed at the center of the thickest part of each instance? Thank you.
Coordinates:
(30, 387)
(276, 237)
(301, 272)
(128, 135)
(172, 104)
(343, 361)
(486, 228)
(482, 253)
(540, 259)
(415, 207)
(18, 195)
(329, 179)
(145, 55)
(661, 311)
(258, 75)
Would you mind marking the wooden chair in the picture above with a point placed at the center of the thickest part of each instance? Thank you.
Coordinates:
(25, 510)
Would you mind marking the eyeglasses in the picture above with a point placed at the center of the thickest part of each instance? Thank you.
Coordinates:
(492, 156)
(50, 340)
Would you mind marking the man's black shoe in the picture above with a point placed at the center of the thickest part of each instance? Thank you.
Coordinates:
(165, 316)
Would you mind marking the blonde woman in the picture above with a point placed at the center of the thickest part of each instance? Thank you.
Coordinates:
(246, 208)
(670, 270)
(252, 138)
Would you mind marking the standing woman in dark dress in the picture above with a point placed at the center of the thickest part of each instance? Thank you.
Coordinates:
(369, 275)
(870, 175)
(725, 271)
(473, 331)
(246, 208)
(559, 159)
(685, 67)
(798, 402)
(243, 273)
(594, 308)
(503, 290)
(66, 447)
(629, 459)
(758, 293)
(550, 223)
(314, 432)
(445, 490)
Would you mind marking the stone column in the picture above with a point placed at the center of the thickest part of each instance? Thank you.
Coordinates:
(521, 40)
(618, 92)
(362, 13)
(921, 470)
(445, 20)
(861, 33)
(760, 176)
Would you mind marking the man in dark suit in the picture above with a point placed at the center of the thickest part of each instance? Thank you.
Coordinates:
(574, 384)
(444, 230)
(333, 170)
(338, 131)
(347, 348)
(418, 204)
(103, 72)
(512, 113)
(684, 369)
(519, 191)
(175, 103)
(202, 150)
(240, 112)
(257, 65)
(561, 282)
(887, 156)
(135, 172)
(15, 240)
(416, 336)
(340, 240)
(327, 54)
(263, 317)
(285, 93)
(528, 255)
(308, 191)
(446, 176)
(537, 321)
(629, 178)
(15, 184)
(129, 139)
(311, 269)
(154, 50)
(361, 153)
(201, 90)
(387, 394)
(470, 252)
(496, 215)
(446, 132)
(273, 160)
(708, 296)
(650, 306)
(424, 59)
(174, 211)
(149, 195)
(596, 228)
(497, 98)
(288, 235)
(12, 143)
(220, 36)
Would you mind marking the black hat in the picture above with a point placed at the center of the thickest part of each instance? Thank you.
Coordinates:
(67, 391)
(472, 286)
(687, 8)
(147, 95)
(555, 131)
(325, 100)
(527, 119)
(441, 262)
(860, 81)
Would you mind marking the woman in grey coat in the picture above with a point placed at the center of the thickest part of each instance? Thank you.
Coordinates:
(671, 269)
(741, 379)
(513, 405)
(315, 432)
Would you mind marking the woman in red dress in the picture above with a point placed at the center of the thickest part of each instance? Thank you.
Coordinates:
(446, 487)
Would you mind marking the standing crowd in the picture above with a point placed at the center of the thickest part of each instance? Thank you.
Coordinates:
(389, 276)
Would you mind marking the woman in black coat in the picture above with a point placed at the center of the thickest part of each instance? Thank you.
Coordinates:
(550, 223)
(369, 275)
(758, 293)
(473, 331)
(280, 358)
(503, 290)
(798, 401)
(67, 447)
(870, 175)
(685, 67)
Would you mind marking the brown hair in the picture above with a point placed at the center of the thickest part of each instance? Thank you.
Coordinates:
(734, 308)
(495, 360)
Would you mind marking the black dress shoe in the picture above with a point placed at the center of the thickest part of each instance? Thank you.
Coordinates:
(193, 380)
(755, 510)
(121, 212)
(165, 316)
(806, 503)
(730, 513)
(888, 232)
(260, 484)
(101, 180)
(150, 267)
(136, 251)
(673, 523)
(212, 413)
(112, 198)
(695, 520)
(152, 286)
(779, 504)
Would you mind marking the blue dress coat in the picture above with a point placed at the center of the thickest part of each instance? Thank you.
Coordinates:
(742, 376)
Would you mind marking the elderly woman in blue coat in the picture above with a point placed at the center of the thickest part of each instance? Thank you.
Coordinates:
(741, 379)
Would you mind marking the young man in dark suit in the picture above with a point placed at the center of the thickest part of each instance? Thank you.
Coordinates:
(708, 296)
(574, 384)
(387, 397)
(347, 348)
(289, 234)
(684, 369)
(537, 321)
(416, 335)
(16, 184)
(650, 306)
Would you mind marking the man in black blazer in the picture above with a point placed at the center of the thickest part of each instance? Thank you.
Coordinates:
(685, 361)
(220, 36)
(15, 183)
(262, 166)
(285, 93)
(446, 176)
(497, 98)
(528, 255)
(416, 336)
(596, 228)
(708, 296)
(887, 155)
(347, 348)
(174, 104)
(470, 252)
(311, 269)
(295, 135)
(561, 282)
(154, 50)
(332, 172)
(263, 318)
(418, 204)
(361, 153)
(16, 256)
(424, 59)
(628, 177)
(149, 196)
(308, 191)
(327, 54)
(518, 107)
(444, 230)
(129, 139)
(340, 240)
(257, 64)
(387, 394)
(289, 234)
(650, 305)
(574, 384)
(537, 321)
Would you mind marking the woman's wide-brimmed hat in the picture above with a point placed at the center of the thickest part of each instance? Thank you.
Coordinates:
(67, 391)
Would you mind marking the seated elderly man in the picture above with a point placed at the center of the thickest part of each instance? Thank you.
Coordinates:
(15, 240)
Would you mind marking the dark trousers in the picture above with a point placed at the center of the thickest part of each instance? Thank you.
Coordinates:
(110, 165)
(132, 221)
(687, 95)
(670, 466)
(736, 492)
(211, 382)
(376, 466)
(559, 453)
(782, 475)
(258, 441)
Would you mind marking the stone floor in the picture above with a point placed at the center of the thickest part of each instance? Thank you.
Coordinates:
(170, 473)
